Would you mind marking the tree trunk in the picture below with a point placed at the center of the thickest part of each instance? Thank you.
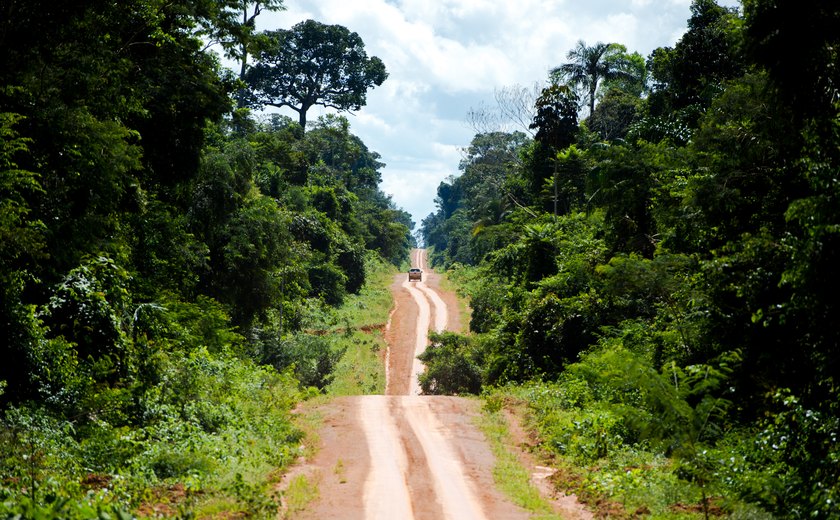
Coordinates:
(243, 63)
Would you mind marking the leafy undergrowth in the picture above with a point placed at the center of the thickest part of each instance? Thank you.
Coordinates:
(597, 459)
(213, 433)
(208, 435)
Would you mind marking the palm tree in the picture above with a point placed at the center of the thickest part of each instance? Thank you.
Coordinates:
(590, 65)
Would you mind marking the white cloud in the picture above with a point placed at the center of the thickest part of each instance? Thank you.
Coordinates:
(410, 186)
(373, 123)
(613, 28)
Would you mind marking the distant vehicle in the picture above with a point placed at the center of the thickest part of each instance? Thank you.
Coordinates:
(415, 274)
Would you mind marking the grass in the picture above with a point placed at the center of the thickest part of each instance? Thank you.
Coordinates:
(370, 308)
(301, 491)
(340, 471)
(360, 371)
(362, 321)
(511, 478)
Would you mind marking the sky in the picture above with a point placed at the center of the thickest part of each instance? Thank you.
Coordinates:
(448, 57)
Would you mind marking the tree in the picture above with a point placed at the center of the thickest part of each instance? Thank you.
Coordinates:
(591, 65)
(314, 64)
(806, 84)
(614, 114)
(514, 110)
(556, 117)
(231, 23)
(634, 79)
(693, 72)
(707, 54)
(798, 45)
(556, 125)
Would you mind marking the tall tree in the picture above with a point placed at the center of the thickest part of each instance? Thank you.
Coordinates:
(556, 125)
(798, 44)
(314, 64)
(588, 66)
(708, 53)
(556, 117)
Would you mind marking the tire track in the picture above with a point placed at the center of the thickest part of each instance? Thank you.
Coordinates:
(429, 304)
(452, 485)
(387, 477)
(421, 338)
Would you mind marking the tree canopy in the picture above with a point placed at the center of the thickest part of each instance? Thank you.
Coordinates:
(313, 64)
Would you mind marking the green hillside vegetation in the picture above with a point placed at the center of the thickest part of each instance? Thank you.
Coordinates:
(653, 280)
(167, 264)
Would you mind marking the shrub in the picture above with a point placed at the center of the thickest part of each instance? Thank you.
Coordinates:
(453, 365)
(312, 359)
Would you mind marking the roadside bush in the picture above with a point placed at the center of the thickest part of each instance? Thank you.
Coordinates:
(484, 301)
(328, 282)
(311, 358)
(453, 365)
(43, 473)
(87, 309)
(555, 331)
(789, 463)
(352, 262)
(585, 435)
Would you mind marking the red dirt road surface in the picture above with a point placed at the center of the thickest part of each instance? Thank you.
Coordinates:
(404, 456)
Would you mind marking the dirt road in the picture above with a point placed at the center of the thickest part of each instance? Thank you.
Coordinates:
(404, 456)
(406, 334)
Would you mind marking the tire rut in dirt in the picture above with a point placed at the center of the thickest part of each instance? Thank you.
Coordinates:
(400, 340)
(419, 478)
(453, 488)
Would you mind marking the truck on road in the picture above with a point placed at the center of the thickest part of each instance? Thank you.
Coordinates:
(415, 275)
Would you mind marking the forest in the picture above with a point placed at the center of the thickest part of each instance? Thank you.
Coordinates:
(650, 264)
(164, 253)
(649, 259)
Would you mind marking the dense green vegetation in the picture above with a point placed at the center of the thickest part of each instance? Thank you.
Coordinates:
(655, 280)
(165, 260)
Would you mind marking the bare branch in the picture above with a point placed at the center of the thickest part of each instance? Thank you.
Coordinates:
(516, 105)
(514, 110)
(483, 119)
